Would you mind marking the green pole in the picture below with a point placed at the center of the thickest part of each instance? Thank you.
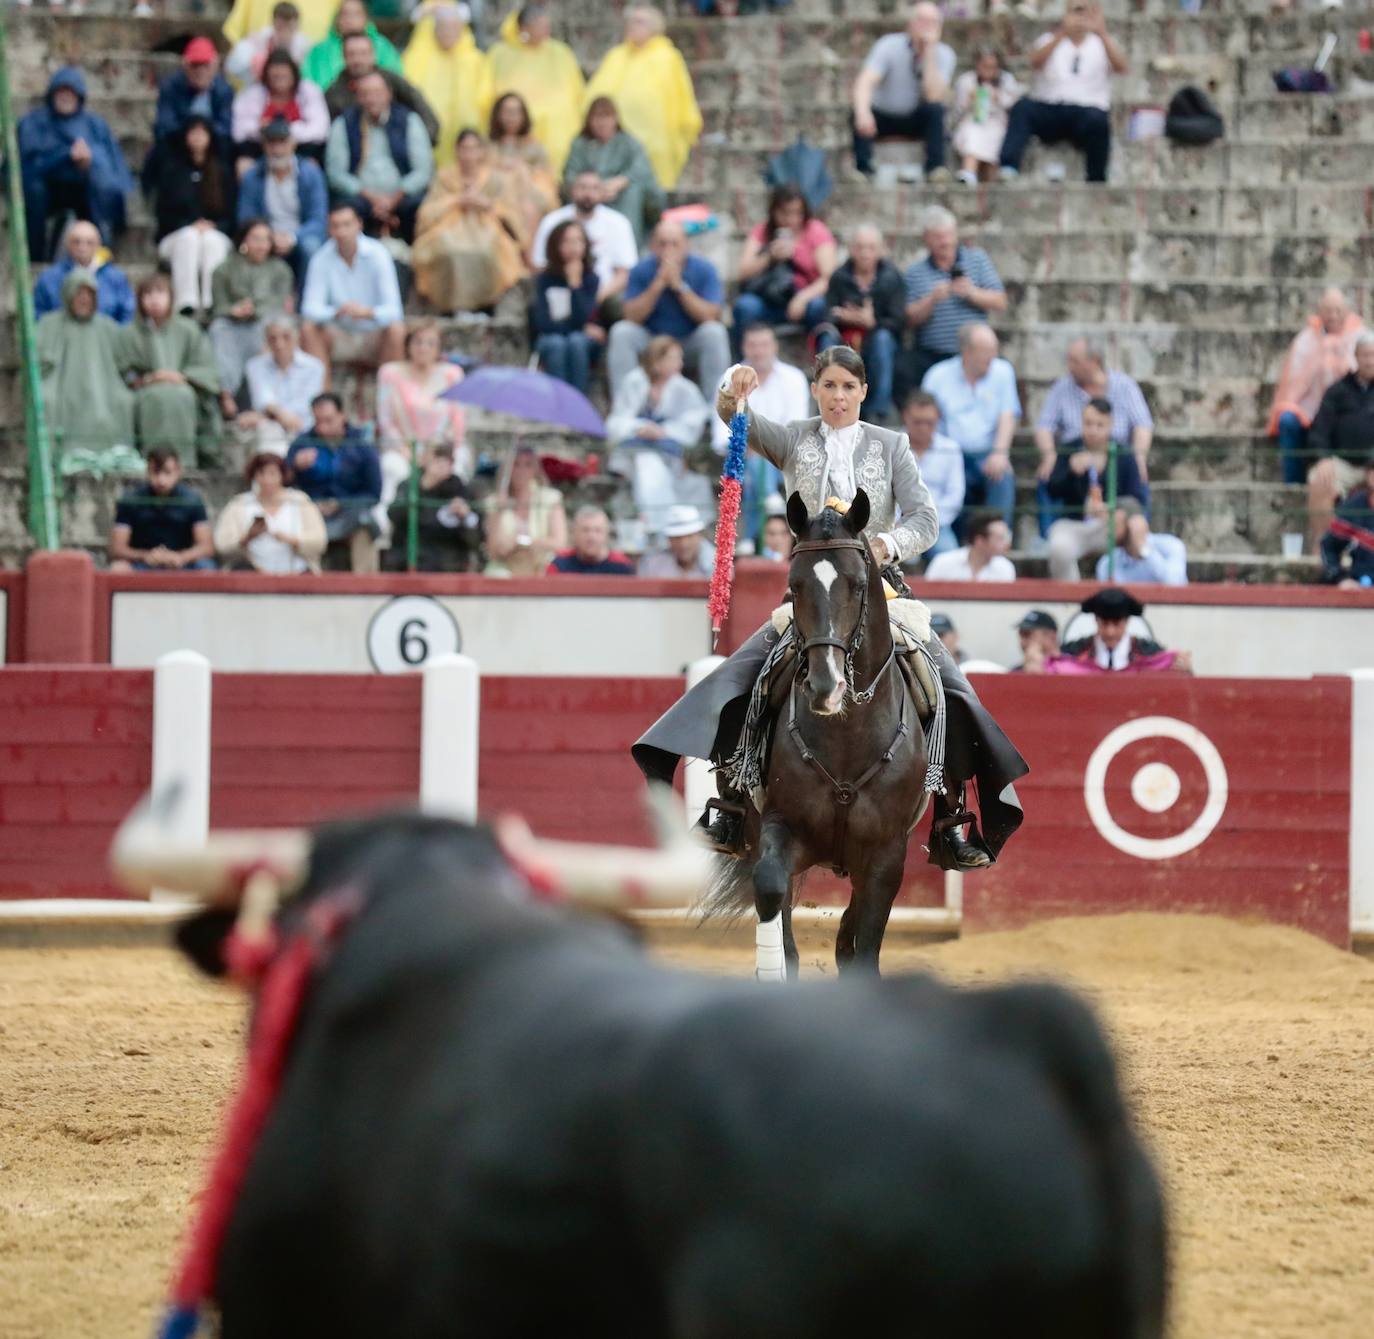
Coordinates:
(1111, 511)
(413, 510)
(42, 495)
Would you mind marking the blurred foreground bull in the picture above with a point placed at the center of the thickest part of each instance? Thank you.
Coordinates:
(498, 1118)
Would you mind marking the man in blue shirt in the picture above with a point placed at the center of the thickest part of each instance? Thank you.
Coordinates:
(113, 298)
(288, 191)
(591, 553)
(672, 292)
(1141, 556)
(979, 409)
(197, 89)
(352, 301)
(338, 469)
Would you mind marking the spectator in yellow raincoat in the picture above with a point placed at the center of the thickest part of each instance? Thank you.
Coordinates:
(545, 73)
(443, 62)
(252, 16)
(647, 79)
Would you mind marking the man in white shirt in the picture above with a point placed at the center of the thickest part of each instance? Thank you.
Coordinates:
(609, 232)
(941, 462)
(282, 383)
(983, 558)
(1071, 97)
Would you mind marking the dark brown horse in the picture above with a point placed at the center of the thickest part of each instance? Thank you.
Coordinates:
(846, 773)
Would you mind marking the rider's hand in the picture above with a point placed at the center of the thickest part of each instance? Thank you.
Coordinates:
(880, 550)
(744, 381)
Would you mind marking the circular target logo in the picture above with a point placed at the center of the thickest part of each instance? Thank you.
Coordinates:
(1156, 787)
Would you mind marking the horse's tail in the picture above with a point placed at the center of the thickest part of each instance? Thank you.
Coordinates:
(731, 891)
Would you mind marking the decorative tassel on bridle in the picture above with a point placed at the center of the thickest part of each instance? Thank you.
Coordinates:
(727, 522)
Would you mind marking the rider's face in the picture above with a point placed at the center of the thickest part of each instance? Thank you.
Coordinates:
(839, 393)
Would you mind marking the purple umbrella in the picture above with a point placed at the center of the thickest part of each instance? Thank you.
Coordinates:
(530, 395)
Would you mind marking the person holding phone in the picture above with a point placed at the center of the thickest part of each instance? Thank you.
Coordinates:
(271, 528)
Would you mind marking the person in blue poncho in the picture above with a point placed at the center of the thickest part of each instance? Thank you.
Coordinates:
(70, 161)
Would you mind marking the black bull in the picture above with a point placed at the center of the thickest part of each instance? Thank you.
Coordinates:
(498, 1119)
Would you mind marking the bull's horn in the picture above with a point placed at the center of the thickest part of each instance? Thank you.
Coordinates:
(148, 853)
(675, 874)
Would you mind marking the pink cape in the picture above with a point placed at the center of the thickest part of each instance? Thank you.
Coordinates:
(1161, 660)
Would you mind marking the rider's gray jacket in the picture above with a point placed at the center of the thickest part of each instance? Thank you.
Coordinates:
(884, 467)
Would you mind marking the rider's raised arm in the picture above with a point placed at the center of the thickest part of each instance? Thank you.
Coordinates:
(773, 441)
(920, 524)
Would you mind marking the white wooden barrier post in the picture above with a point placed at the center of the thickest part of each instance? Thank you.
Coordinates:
(181, 743)
(698, 784)
(1362, 801)
(450, 705)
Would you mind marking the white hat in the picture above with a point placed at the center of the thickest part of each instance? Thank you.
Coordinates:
(773, 505)
(683, 521)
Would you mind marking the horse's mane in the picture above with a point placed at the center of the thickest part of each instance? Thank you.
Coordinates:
(830, 524)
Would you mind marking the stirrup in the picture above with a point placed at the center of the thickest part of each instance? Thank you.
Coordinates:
(722, 825)
(957, 819)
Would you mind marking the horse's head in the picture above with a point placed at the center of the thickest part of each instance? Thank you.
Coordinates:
(829, 583)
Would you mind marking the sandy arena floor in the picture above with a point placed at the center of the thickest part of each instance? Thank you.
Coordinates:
(1249, 1053)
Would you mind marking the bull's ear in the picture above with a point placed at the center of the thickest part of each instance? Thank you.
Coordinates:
(201, 938)
(797, 516)
(858, 513)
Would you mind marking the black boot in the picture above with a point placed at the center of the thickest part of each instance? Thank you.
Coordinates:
(947, 838)
(722, 825)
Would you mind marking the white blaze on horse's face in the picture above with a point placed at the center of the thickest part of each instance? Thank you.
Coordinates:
(825, 573)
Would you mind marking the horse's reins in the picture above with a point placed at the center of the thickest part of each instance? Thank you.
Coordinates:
(845, 792)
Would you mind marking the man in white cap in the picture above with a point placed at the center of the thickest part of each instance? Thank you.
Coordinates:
(689, 555)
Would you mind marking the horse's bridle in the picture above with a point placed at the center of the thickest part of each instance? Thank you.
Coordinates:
(848, 648)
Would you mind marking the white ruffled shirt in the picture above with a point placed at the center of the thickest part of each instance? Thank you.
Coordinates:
(1118, 658)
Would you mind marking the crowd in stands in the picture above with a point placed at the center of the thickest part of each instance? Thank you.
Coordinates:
(319, 182)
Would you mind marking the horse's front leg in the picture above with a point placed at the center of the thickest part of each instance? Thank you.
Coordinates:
(775, 944)
(875, 888)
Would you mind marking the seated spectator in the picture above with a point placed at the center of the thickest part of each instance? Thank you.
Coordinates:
(82, 250)
(983, 558)
(168, 360)
(1078, 487)
(1320, 354)
(335, 466)
(613, 249)
(360, 60)
(785, 267)
(1340, 437)
(1347, 548)
(525, 521)
(290, 193)
(625, 178)
(1071, 96)
(943, 627)
(689, 556)
(1114, 647)
(657, 415)
(196, 89)
(777, 538)
(545, 73)
(352, 300)
(71, 163)
(647, 79)
(672, 292)
(271, 528)
(783, 395)
(564, 327)
(866, 298)
(470, 241)
(442, 61)
(161, 526)
(900, 92)
(1141, 556)
(281, 384)
(591, 553)
(192, 190)
(514, 146)
(85, 400)
(979, 409)
(1061, 417)
(448, 526)
(379, 160)
(945, 290)
(325, 63)
(941, 464)
(281, 96)
(1038, 634)
(982, 98)
(243, 65)
(250, 287)
(410, 412)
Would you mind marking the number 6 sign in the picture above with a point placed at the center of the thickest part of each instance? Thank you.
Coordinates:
(408, 631)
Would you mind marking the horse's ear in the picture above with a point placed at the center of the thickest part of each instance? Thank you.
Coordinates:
(797, 516)
(858, 512)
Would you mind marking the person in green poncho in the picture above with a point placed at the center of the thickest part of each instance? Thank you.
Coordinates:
(325, 63)
(627, 177)
(168, 361)
(84, 396)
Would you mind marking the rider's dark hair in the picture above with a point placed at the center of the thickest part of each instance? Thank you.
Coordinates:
(841, 355)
